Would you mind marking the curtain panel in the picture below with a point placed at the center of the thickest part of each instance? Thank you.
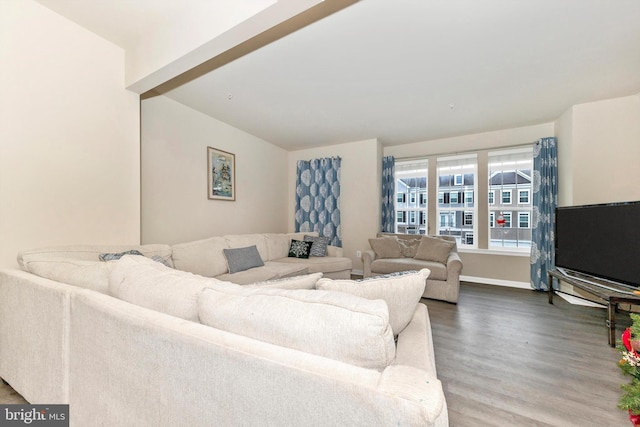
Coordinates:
(318, 198)
(545, 200)
(388, 194)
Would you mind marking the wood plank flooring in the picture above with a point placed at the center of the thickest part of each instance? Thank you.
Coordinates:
(508, 358)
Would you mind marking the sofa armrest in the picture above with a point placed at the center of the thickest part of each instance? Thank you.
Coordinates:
(368, 257)
(335, 251)
(454, 264)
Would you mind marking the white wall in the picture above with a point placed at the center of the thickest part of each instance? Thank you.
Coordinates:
(606, 151)
(487, 266)
(69, 154)
(360, 191)
(174, 204)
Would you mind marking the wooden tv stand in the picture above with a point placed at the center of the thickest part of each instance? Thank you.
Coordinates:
(610, 294)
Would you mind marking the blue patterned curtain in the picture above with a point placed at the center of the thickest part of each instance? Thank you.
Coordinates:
(545, 200)
(388, 194)
(318, 198)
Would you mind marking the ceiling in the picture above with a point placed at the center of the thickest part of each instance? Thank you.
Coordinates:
(411, 70)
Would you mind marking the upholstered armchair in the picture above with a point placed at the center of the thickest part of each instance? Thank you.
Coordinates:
(391, 253)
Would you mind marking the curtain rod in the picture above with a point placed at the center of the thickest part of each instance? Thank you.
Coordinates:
(453, 153)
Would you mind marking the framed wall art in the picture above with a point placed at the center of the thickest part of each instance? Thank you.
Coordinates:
(221, 174)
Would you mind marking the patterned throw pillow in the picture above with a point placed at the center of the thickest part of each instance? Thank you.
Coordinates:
(112, 257)
(319, 246)
(299, 249)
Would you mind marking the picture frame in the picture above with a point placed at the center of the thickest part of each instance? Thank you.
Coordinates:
(221, 174)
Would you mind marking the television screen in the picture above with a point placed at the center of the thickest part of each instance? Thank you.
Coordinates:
(600, 240)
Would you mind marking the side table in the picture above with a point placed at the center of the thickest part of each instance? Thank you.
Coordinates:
(610, 294)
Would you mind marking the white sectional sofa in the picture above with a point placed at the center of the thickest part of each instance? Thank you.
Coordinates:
(135, 342)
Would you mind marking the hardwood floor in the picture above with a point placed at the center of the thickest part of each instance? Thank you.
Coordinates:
(508, 358)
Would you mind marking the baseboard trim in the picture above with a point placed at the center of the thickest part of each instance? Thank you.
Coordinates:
(496, 282)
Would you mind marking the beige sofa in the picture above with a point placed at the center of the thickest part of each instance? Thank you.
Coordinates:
(206, 257)
(161, 347)
(401, 253)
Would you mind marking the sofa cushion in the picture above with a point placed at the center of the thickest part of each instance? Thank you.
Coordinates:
(241, 259)
(401, 292)
(391, 265)
(245, 240)
(92, 275)
(409, 247)
(319, 246)
(306, 281)
(300, 249)
(203, 257)
(150, 284)
(434, 249)
(330, 324)
(386, 247)
(270, 271)
(328, 264)
(92, 252)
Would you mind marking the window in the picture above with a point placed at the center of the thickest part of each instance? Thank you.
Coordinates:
(411, 182)
(400, 217)
(468, 238)
(510, 175)
(468, 198)
(506, 197)
(507, 219)
(456, 196)
(468, 218)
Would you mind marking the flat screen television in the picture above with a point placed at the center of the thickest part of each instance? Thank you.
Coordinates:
(600, 240)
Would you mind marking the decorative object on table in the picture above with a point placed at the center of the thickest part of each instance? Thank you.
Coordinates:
(221, 174)
(630, 365)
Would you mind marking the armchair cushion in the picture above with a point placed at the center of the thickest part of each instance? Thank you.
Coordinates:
(386, 247)
(434, 249)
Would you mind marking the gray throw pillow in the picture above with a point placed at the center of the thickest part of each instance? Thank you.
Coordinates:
(319, 246)
(241, 259)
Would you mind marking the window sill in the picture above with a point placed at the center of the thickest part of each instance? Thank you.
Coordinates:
(499, 252)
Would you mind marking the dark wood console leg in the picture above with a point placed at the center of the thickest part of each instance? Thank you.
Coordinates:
(550, 284)
(611, 323)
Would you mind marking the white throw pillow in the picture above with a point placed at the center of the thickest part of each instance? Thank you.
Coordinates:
(402, 293)
(153, 285)
(330, 324)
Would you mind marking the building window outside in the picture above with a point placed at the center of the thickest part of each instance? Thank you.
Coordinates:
(457, 179)
(506, 197)
(411, 182)
(492, 196)
(400, 217)
(468, 218)
(510, 175)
